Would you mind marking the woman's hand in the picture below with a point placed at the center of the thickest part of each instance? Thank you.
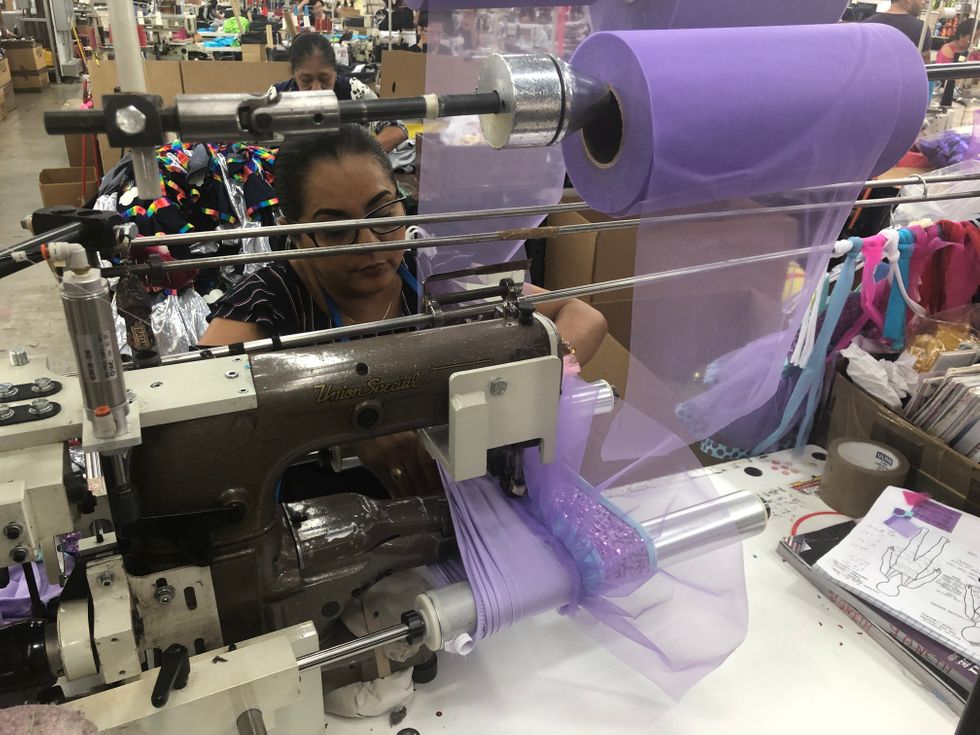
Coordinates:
(582, 326)
(401, 462)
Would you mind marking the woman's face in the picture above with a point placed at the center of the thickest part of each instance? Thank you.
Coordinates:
(313, 74)
(349, 189)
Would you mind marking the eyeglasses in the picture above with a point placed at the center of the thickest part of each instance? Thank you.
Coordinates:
(333, 238)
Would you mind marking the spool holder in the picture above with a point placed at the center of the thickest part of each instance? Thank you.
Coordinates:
(524, 100)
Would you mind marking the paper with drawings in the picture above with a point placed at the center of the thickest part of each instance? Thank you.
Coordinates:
(920, 560)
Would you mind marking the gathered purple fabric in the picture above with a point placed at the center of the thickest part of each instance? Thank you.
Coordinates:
(15, 598)
(571, 546)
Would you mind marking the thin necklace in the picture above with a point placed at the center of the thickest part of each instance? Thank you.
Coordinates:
(349, 318)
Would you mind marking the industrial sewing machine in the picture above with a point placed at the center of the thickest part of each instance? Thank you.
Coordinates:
(194, 599)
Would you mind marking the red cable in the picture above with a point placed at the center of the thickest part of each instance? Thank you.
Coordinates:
(808, 516)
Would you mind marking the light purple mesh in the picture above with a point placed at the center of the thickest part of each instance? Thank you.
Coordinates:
(15, 598)
(721, 351)
(715, 342)
(610, 15)
(617, 15)
(580, 548)
(460, 172)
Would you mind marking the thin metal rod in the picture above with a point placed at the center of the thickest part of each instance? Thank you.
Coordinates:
(344, 651)
(524, 233)
(420, 321)
(65, 232)
(401, 323)
(942, 72)
(478, 214)
(574, 292)
(311, 227)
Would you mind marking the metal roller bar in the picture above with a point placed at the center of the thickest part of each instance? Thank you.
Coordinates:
(67, 122)
(356, 647)
(414, 108)
(416, 321)
(478, 214)
(524, 233)
(64, 233)
(416, 219)
(942, 72)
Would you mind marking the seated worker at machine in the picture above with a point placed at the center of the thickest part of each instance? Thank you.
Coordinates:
(347, 176)
(321, 21)
(959, 45)
(314, 66)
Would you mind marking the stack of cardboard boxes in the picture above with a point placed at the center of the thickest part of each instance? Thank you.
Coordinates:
(27, 65)
(7, 102)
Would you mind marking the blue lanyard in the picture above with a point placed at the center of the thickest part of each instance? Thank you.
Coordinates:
(337, 319)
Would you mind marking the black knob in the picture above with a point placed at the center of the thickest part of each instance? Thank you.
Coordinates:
(12, 531)
(174, 670)
(525, 313)
(18, 554)
(426, 671)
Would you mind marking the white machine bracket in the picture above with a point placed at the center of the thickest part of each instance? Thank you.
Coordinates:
(495, 407)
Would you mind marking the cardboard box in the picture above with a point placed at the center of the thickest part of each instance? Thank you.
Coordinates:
(3, 106)
(36, 81)
(81, 148)
(254, 51)
(26, 56)
(591, 257)
(402, 74)
(605, 255)
(5, 77)
(64, 186)
(936, 468)
(9, 98)
(200, 77)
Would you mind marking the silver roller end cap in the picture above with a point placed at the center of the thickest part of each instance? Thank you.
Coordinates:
(542, 100)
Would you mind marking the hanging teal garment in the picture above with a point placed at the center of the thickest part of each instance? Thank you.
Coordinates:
(808, 386)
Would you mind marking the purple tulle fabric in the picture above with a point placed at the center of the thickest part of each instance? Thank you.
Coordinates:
(581, 549)
(714, 341)
(15, 599)
(616, 15)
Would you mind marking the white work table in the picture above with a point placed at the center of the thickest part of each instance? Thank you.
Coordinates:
(803, 668)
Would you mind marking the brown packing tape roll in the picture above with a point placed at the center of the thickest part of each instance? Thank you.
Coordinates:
(856, 473)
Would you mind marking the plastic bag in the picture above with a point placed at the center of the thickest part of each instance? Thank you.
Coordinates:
(887, 381)
(179, 320)
(954, 209)
(955, 329)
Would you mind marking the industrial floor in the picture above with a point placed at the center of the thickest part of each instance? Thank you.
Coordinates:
(30, 310)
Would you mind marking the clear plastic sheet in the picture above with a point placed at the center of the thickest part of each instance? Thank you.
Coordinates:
(461, 172)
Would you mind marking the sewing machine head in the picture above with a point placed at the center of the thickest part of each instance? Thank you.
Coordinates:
(187, 544)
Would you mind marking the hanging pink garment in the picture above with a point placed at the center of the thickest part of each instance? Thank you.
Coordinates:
(874, 292)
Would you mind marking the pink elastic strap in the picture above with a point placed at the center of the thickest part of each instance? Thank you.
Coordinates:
(872, 251)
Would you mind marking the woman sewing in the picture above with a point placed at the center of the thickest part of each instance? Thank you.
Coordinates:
(314, 66)
(327, 177)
